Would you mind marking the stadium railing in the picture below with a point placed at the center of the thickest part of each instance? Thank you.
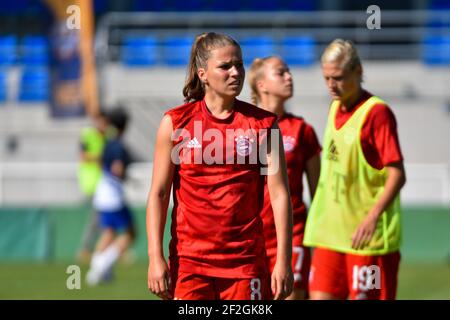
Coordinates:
(400, 37)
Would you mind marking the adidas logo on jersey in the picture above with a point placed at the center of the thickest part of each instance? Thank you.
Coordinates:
(332, 152)
(194, 144)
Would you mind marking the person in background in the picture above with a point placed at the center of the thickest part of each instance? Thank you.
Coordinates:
(354, 219)
(116, 221)
(272, 85)
(92, 143)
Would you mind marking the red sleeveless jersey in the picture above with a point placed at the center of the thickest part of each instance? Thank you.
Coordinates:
(218, 191)
(300, 144)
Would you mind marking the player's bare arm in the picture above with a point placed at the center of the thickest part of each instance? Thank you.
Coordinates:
(158, 201)
(312, 169)
(395, 181)
(277, 182)
(87, 157)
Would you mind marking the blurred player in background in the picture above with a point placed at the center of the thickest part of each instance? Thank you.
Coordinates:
(217, 247)
(354, 219)
(116, 221)
(272, 85)
(92, 142)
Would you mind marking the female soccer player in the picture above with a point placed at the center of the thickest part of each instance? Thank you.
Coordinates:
(272, 85)
(354, 220)
(206, 149)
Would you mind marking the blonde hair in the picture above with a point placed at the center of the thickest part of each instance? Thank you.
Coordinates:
(256, 73)
(194, 89)
(342, 52)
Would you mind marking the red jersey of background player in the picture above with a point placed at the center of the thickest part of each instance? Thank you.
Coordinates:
(300, 144)
(216, 227)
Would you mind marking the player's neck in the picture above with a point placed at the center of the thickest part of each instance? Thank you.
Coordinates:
(350, 103)
(273, 104)
(220, 107)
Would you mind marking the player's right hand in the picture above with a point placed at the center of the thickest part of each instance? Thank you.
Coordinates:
(282, 281)
(158, 278)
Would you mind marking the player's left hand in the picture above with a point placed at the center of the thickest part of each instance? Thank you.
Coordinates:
(365, 231)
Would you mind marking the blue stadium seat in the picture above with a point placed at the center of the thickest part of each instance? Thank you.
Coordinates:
(256, 47)
(35, 51)
(100, 6)
(14, 7)
(439, 4)
(220, 5)
(139, 51)
(177, 50)
(436, 50)
(299, 50)
(188, 5)
(3, 85)
(262, 5)
(302, 5)
(8, 50)
(34, 85)
(146, 5)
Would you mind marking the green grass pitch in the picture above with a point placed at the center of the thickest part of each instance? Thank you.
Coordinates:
(48, 281)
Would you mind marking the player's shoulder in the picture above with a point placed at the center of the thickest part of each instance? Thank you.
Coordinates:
(288, 116)
(89, 133)
(183, 112)
(114, 144)
(380, 115)
(251, 111)
(381, 109)
(185, 108)
(297, 120)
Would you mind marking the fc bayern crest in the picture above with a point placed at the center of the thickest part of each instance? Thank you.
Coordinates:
(288, 143)
(243, 145)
